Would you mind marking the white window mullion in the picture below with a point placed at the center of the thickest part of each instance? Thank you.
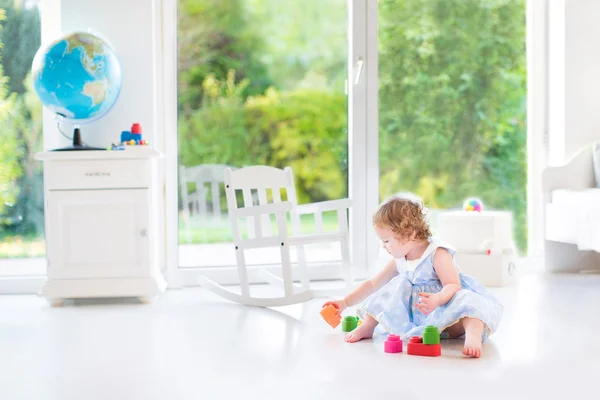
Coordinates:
(537, 120)
(168, 135)
(372, 139)
(363, 140)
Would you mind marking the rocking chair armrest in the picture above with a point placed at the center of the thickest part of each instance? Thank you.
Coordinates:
(263, 209)
(329, 205)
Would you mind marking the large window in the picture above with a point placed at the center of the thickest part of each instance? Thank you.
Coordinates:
(22, 246)
(260, 82)
(452, 103)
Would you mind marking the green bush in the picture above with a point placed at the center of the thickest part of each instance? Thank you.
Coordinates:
(10, 170)
(216, 133)
(26, 124)
(304, 129)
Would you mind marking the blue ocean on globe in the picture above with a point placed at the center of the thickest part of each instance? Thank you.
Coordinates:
(78, 77)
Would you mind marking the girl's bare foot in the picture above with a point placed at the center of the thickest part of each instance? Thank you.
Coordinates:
(364, 331)
(473, 331)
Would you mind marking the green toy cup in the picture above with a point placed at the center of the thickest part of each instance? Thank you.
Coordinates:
(431, 335)
(349, 323)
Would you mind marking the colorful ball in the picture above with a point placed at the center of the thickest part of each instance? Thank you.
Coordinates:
(473, 204)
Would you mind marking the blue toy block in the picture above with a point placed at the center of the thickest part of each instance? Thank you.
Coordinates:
(126, 136)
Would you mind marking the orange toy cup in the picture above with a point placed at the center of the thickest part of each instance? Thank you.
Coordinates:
(331, 315)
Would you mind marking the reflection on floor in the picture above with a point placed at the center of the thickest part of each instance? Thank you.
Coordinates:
(192, 345)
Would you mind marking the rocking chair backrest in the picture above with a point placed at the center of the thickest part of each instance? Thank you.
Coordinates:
(260, 185)
(203, 176)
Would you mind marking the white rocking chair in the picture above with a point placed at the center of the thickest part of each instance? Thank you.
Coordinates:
(197, 204)
(260, 235)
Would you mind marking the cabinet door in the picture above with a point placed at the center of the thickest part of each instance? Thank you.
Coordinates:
(98, 234)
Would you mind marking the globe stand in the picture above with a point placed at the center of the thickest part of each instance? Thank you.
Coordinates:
(78, 144)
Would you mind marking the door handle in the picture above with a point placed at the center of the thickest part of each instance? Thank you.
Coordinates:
(359, 67)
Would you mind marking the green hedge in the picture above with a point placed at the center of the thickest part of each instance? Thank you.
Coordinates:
(304, 129)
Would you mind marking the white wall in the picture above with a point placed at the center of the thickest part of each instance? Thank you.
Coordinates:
(574, 80)
(556, 72)
(130, 26)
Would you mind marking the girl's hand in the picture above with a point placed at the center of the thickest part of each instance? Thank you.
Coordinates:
(341, 305)
(427, 302)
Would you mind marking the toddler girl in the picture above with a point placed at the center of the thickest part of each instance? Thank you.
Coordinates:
(420, 286)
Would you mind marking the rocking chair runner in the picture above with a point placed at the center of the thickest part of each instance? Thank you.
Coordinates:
(260, 235)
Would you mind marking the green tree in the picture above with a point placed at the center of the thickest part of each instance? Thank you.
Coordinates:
(306, 42)
(214, 37)
(9, 146)
(23, 123)
(216, 133)
(452, 95)
(21, 35)
(26, 122)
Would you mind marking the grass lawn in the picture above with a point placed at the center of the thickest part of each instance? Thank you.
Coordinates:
(219, 230)
(22, 247)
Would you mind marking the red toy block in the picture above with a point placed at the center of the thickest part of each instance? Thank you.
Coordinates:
(331, 315)
(416, 347)
(136, 128)
(393, 344)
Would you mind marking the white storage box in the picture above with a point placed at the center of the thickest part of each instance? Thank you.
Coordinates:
(496, 269)
(472, 231)
(484, 244)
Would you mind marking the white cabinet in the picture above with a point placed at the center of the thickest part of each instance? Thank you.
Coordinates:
(117, 245)
(101, 224)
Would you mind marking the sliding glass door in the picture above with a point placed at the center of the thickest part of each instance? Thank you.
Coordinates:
(260, 82)
(363, 99)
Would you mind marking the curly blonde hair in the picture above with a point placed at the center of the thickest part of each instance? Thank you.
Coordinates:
(404, 215)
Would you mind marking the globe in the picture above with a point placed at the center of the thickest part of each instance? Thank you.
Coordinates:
(77, 77)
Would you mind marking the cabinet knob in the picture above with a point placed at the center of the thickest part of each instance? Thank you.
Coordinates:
(144, 232)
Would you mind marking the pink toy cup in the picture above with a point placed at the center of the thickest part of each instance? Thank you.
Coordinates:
(393, 344)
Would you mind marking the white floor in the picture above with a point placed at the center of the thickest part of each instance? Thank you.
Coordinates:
(192, 345)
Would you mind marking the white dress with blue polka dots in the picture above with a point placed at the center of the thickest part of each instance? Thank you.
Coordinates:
(393, 305)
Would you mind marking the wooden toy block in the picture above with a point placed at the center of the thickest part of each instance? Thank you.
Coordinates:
(331, 316)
